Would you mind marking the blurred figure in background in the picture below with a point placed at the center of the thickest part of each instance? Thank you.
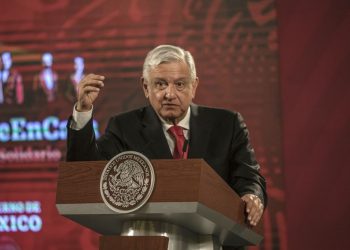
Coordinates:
(11, 82)
(45, 83)
(74, 79)
(1, 87)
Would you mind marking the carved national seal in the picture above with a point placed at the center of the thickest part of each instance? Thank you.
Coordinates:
(127, 182)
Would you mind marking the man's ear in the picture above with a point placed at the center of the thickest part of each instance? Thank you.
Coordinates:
(194, 87)
(144, 86)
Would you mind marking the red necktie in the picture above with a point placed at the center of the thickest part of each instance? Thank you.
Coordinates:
(180, 151)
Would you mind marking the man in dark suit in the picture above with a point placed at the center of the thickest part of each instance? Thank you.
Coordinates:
(169, 82)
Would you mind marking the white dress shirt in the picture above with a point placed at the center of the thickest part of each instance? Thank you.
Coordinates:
(184, 123)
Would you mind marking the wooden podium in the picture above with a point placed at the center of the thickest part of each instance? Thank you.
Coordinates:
(191, 207)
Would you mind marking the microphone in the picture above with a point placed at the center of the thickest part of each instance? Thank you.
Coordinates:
(184, 148)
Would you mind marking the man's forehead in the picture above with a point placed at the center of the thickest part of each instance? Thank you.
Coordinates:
(170, 69)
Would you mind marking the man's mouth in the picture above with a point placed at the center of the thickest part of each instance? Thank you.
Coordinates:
(169, 104)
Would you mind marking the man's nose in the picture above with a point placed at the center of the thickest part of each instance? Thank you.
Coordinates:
(170, 91)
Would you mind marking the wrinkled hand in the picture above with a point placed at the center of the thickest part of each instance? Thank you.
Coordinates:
(88, 90)
(254, 208)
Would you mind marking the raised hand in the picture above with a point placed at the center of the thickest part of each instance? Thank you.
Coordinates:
(88, 89)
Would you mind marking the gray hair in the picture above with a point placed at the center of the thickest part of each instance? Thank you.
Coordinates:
(165, 54)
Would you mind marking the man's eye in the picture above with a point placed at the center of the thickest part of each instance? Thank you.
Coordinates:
(160, 84)
(180, 85)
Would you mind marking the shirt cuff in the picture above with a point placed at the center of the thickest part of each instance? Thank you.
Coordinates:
(80, 119)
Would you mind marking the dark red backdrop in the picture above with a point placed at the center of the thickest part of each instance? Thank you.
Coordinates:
(314, 38)
(314, 51)
(233, 43)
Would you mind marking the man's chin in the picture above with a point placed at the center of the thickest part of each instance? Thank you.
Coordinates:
(170, 117)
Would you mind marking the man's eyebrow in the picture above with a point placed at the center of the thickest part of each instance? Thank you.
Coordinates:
(177, 79)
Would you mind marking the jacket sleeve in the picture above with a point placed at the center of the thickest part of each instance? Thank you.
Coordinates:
(245, 175)
(81, 144)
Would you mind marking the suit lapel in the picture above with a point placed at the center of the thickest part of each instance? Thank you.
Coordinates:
(156, 144)
(152, 131)
(199, 133)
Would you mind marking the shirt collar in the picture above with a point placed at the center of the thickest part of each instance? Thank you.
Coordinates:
(184, 123)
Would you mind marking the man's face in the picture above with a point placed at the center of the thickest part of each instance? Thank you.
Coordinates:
(170, 90)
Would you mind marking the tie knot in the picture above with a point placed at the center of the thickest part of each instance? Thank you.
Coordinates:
(176, 130)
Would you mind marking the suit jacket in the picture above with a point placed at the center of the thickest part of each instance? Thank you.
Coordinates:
(218, 136)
